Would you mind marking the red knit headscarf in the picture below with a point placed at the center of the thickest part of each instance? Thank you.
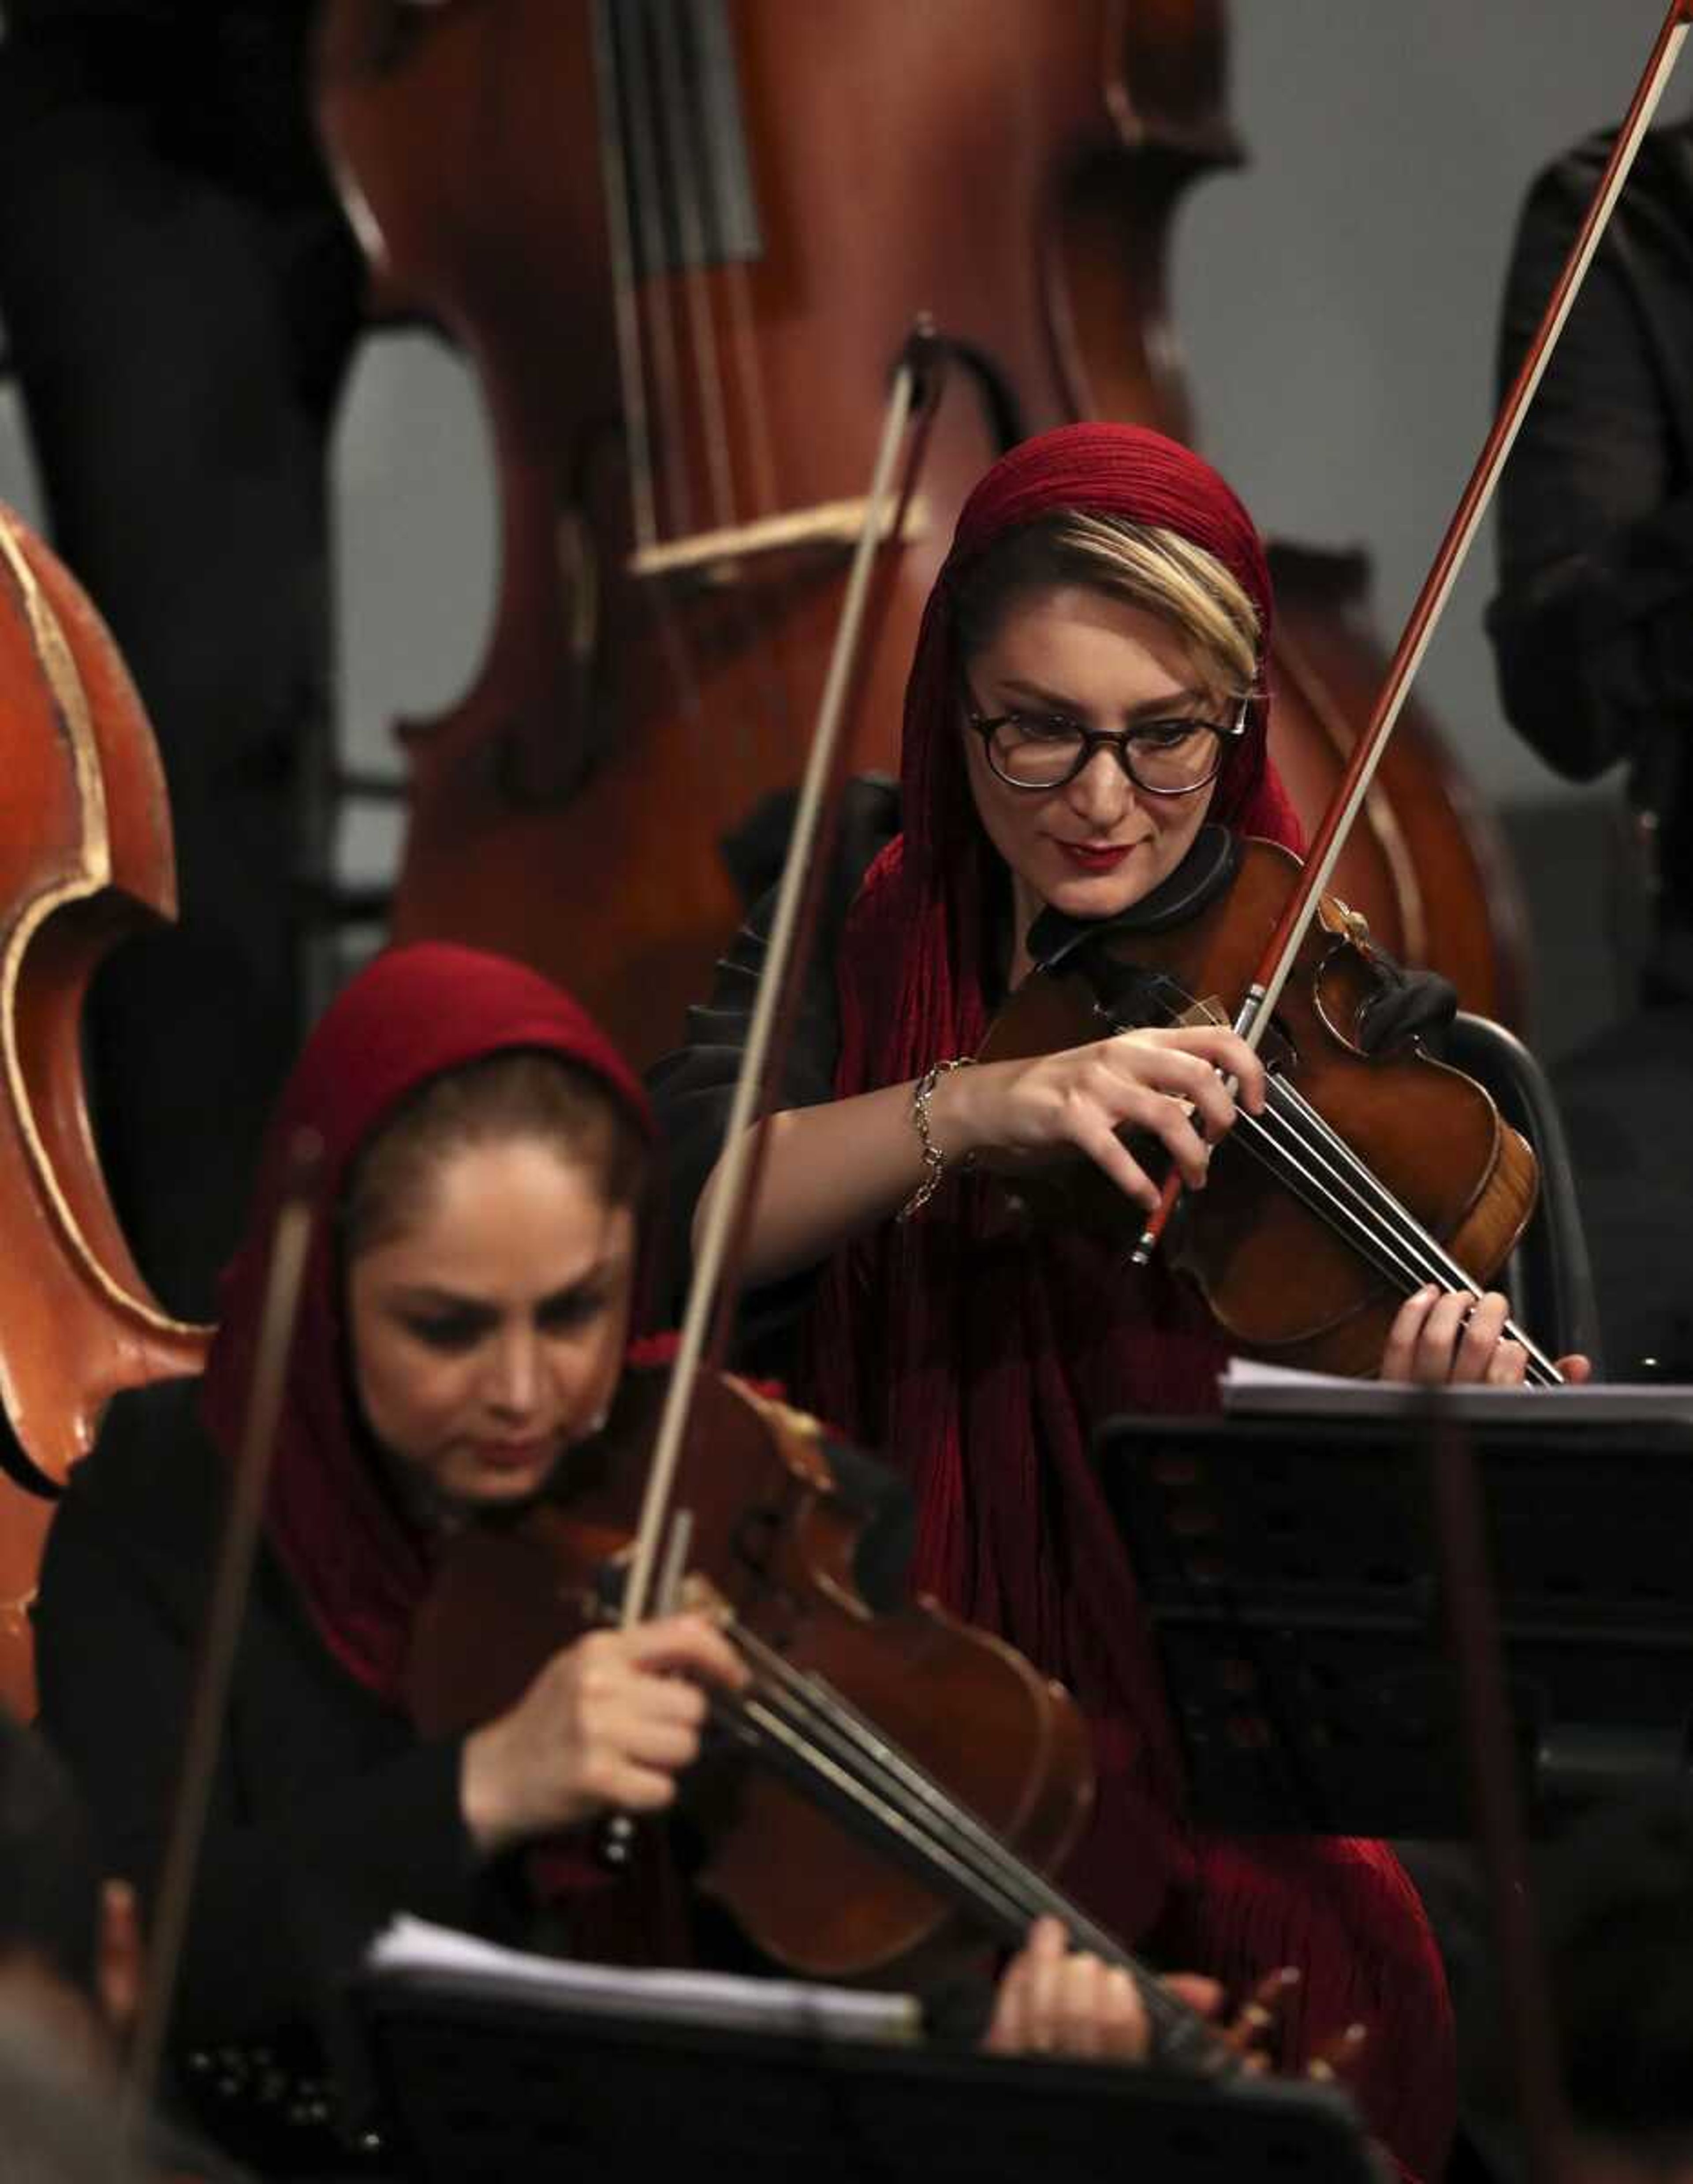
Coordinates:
(411, 1015)
(981, 1358)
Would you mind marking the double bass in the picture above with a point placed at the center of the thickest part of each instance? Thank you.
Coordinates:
(682, 241)
(86, 855)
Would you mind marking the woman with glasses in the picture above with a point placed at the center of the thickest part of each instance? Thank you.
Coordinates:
(1087, 695)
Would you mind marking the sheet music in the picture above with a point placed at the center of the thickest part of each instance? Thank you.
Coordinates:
(415, 1946)
(1250, 1389)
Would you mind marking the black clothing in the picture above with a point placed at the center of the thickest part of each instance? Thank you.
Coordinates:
(692, 1088)
(1593, 631)
(328, 1814)
(180, 294)
(1592, 626)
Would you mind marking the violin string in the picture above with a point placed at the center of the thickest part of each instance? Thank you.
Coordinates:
(778, 1739)
(1446, 1269)
(1344, 1189)
(836, 1732)
(1346, 1193)
(680, 125)
(653, 230)
(1279, 1141)
(1360, 1208)
(948, 1837)
(997, 1891)
(819, 1729)
(1351, 1197)
(1329, 1196)
(1383, 1231)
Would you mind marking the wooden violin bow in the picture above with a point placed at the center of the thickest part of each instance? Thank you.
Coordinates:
(220, 1638)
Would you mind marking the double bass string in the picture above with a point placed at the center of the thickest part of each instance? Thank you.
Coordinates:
(614, 175)
(681, 126)
(667, 89)
(693, 52)
(636, 110)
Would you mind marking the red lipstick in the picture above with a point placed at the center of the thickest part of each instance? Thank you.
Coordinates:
(1095, 857)
(513, 1455)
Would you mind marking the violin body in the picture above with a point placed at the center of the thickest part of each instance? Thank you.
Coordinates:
(85, 853)
(1278, 1277)
(781, 1553)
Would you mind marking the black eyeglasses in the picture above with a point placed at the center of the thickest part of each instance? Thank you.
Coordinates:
(1164, 758)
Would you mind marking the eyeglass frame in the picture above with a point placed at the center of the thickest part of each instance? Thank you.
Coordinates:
(1116, 740)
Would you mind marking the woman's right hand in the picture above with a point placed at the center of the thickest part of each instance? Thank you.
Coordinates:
(1015, 1114)
(607, 1726)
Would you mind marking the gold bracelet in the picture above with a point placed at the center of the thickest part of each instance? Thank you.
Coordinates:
(934, 1161)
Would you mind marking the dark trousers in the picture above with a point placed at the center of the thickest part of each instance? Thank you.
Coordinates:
(1625, 1097)
(180, 295)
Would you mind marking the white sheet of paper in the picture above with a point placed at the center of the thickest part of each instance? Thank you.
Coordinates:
(1251, 1389)
(412, 1945)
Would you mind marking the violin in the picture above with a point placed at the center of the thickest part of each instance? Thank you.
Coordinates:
(891, 1780)
(1364, 1178)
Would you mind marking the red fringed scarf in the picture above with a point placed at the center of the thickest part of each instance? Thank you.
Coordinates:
(410, 1014)
(981, 1359)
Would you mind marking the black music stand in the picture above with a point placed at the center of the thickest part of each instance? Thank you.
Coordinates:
(1290, 1571)
(486, 2080)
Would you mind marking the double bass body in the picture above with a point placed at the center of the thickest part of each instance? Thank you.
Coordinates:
(85, 852)
(682, 241)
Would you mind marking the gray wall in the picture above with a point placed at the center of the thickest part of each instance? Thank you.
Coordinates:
(1338, 301)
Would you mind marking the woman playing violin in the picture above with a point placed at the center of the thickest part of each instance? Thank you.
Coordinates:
(463, 1329)
(1086, 695)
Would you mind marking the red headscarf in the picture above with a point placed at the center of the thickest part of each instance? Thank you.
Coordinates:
(982, 1358)
(410, 1015)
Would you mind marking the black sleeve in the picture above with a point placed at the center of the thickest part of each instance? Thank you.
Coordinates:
(1592, 628)
(692, 1089)
(326, 1814)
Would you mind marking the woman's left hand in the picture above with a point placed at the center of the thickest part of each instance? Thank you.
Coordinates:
(1052, 2002)
(1439, 1336)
